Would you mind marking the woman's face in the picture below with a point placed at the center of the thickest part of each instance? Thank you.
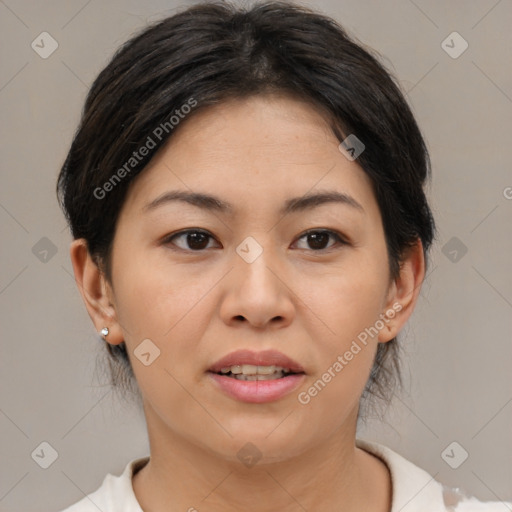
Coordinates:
(253, 279)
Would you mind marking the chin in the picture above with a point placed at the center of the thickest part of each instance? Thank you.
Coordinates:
(260, 445)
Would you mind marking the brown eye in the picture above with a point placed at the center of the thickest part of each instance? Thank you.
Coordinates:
(318, 239)
(191, 240)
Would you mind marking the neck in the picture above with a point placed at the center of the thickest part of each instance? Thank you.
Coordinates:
(191, 477)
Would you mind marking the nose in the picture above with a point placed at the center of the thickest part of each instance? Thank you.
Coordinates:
(256, 292)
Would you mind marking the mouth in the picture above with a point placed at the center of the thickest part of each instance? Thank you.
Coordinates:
(257, 377)
(249, 372)
(249, 363)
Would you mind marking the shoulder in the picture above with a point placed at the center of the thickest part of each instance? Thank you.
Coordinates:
(115, 494)
(415, 490)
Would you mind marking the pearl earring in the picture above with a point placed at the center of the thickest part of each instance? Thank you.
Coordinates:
(104, 331)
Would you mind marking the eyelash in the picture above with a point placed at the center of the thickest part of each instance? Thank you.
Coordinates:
(337, 236)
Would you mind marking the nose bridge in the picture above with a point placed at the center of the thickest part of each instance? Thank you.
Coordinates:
(253, 259)
(255, 291)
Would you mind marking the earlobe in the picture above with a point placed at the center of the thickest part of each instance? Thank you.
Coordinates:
(404, 292)
(95, 291)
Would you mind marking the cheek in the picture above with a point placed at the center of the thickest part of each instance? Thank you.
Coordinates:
(349, 305)
(154, 296)
(166, 306)
(348, 299)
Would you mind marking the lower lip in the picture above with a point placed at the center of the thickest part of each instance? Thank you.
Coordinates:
(258, 391)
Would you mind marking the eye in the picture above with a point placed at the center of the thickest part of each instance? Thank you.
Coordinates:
(197, 240)
(318, 238)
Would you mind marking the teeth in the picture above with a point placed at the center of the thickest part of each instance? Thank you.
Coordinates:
(252, 370)
(242, 376)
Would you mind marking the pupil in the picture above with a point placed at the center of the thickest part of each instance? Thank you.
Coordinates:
(192, 240)
(315, 236)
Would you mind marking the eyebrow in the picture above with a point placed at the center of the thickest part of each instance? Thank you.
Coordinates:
(212, 203)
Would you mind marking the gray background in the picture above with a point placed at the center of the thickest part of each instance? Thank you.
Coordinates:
(458, 342)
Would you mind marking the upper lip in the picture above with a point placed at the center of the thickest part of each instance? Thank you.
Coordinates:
(263, 358)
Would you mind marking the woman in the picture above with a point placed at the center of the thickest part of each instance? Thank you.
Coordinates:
(245, 194)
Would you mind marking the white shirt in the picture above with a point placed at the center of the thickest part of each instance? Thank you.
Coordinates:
(414, 490)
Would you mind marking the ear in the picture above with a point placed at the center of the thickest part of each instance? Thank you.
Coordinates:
(96, 292)
(403, 292)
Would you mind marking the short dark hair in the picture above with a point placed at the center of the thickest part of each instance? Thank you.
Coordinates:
(213, 52)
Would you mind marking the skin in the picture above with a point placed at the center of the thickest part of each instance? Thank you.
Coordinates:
(307, 301)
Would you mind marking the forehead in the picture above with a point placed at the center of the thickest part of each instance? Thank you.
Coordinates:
(250, 151)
